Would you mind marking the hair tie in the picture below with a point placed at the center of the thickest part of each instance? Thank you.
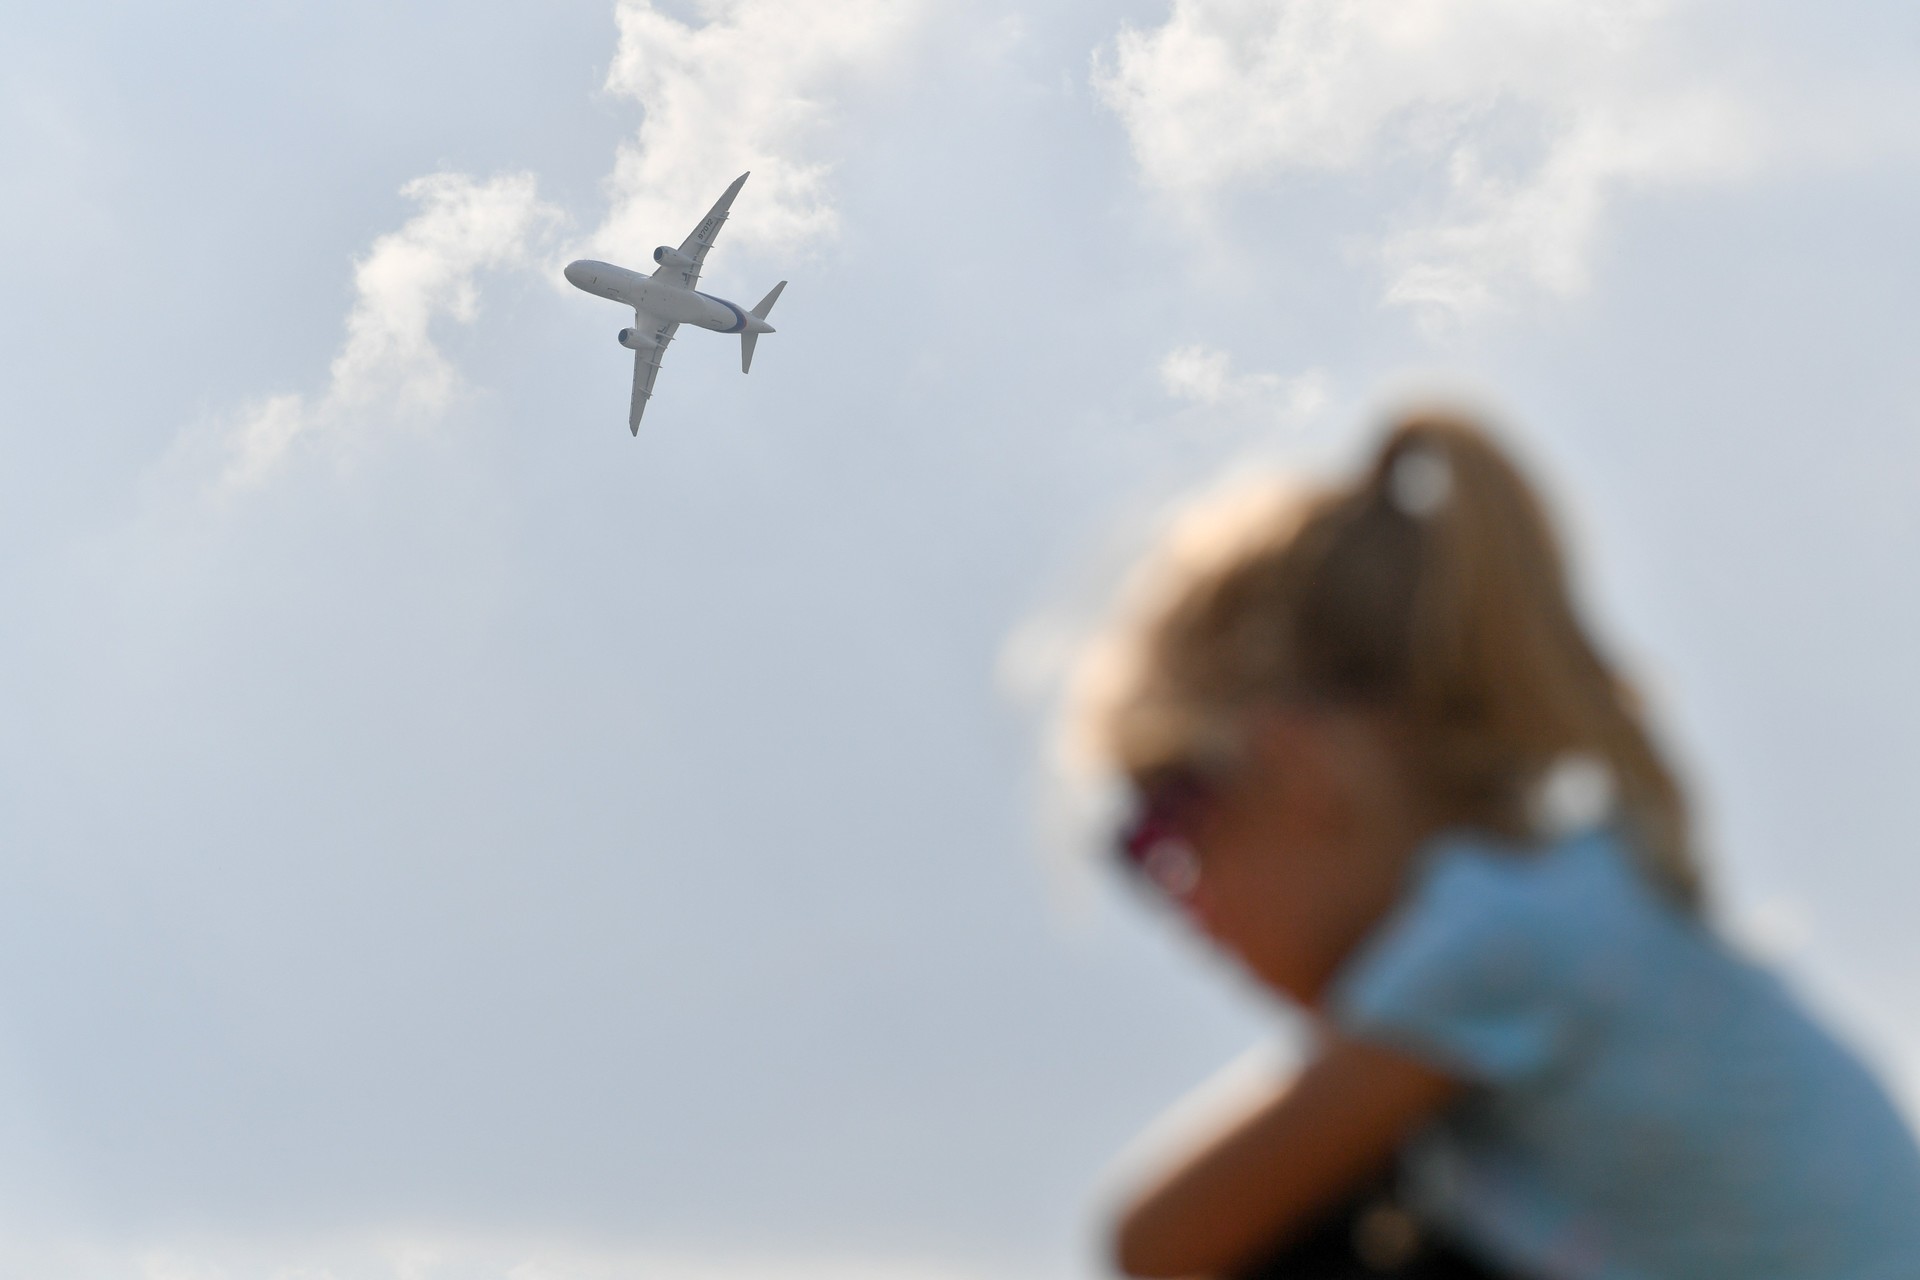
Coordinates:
(1419, 482)
(1574, 794)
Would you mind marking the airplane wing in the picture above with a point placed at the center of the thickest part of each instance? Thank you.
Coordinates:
(696, 245)
(646, 362)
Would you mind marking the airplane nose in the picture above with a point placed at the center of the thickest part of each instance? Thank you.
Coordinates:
(575, 272)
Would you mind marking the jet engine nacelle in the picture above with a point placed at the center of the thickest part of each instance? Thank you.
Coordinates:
(668, 256)
(635, 340)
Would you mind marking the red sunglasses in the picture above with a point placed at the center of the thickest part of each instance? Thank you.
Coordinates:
(1156, 843)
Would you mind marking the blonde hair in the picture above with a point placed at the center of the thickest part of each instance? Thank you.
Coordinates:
(1431, 588)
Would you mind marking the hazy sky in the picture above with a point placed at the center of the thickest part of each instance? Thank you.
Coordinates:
(447, 838)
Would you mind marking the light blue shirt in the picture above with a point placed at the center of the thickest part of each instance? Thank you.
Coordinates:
(1647, 1104)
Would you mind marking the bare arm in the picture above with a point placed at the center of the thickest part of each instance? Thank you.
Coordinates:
(1284, 1161)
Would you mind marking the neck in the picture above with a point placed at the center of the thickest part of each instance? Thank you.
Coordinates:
(1386, 824)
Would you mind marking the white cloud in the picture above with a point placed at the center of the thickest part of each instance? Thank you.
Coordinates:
(409, 279)
(746, 88)
(1196, 373)
(440, 1257)
(1518, 121)
(1204, 376)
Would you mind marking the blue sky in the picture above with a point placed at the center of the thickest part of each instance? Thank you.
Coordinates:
(446, 836)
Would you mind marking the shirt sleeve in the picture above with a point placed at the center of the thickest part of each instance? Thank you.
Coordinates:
(1472, 974)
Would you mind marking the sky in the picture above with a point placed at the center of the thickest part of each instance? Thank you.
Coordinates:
(446, 837)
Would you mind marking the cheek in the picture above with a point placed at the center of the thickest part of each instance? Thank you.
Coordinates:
(1264, 907)
(1242, 895)
(1270, 900)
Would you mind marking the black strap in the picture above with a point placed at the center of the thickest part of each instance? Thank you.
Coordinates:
(1370, 1237)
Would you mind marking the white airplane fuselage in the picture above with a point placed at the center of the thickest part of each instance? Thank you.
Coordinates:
(669, 297)
(658, 298)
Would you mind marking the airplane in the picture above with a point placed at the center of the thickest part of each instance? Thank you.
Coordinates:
(665, 300)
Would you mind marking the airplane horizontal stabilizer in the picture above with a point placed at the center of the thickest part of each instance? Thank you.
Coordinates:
(766, 303)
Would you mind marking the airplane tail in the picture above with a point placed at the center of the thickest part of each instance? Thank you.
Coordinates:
(759, 325)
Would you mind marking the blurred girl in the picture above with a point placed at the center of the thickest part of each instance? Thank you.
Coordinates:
(1377, 758)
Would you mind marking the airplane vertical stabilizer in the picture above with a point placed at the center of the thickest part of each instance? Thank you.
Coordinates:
(757, 326)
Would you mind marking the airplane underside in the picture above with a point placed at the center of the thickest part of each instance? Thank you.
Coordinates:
(666, 299)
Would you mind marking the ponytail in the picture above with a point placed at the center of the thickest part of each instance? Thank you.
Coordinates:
(1432, 589)
(1501, 683)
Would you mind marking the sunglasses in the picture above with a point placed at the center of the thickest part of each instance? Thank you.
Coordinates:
(1155, 845)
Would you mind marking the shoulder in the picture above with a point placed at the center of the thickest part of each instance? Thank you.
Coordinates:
(1493, 963)
(1556, 899)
